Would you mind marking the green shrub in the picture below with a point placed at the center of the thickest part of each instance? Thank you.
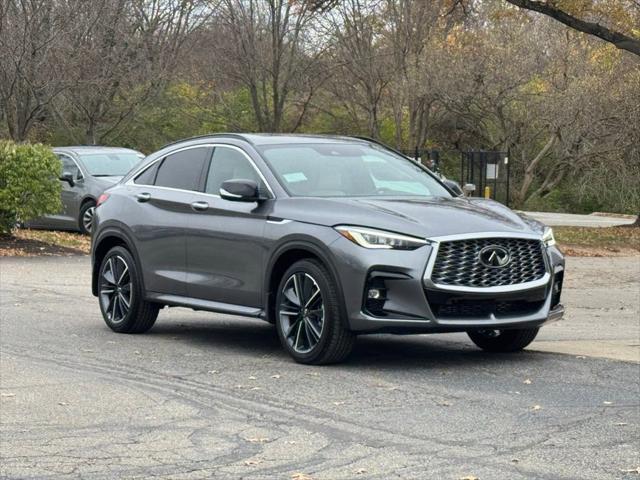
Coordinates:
(29, 185)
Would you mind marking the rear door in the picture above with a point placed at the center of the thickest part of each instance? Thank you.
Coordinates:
(225, 239)
(162, 195)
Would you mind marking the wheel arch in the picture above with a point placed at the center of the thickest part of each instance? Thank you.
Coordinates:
(105, 241)
(285, 256)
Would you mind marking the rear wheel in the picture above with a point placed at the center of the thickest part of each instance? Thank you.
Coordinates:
(503, 340)
(86, 218)
(120, 294)
(309, 315)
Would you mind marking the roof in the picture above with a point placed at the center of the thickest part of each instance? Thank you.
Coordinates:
(258, 139)
(283, 138)
(87, 149)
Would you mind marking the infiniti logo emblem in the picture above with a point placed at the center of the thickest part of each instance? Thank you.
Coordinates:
(494, 256)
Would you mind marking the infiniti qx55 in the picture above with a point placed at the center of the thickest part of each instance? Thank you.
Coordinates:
(325, 237)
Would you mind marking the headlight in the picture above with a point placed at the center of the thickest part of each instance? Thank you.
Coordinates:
(369, 238)
(548, 238)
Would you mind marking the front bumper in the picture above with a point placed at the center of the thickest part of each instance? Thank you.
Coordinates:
(413, 304)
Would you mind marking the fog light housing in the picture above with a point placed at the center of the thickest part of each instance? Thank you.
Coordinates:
(375, 294)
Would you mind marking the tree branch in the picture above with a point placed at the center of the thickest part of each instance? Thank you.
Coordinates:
(620, 40)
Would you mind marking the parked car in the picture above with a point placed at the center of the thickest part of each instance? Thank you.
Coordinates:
(86, 172)
(327, 238)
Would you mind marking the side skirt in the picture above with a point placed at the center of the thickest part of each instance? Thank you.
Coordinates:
(207, 305)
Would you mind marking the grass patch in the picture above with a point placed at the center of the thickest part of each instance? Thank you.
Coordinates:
(598, 242)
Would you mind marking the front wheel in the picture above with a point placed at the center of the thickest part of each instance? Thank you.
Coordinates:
(309, 316)
(511, 340)
(120, 294)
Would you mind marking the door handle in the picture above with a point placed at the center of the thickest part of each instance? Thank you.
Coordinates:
(200, 206)
(143, 197)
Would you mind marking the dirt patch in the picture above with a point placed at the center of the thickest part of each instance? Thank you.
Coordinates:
(27, 243)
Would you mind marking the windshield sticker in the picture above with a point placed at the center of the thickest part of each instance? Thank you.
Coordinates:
(295, 177)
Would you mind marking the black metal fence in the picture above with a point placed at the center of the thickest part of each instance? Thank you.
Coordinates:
(488, 170)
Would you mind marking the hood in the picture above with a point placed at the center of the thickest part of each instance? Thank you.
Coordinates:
(107, 181)
(423, 217)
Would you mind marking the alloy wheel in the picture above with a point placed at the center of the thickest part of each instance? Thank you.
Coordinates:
(301, 312)
(87, 218)
(115, 289)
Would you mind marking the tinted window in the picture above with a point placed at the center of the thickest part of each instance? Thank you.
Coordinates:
(348, 170)
(69, 166)
(183, 169)
(110, 164)
(147, 177)
(228, 164)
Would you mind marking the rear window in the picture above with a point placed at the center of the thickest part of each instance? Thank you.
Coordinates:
(183, 170)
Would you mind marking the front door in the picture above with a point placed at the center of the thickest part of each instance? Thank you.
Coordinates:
(225, 239)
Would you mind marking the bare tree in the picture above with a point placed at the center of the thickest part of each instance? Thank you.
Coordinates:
(267, 50)
(617, 38)
(31, 32)
(120, 58)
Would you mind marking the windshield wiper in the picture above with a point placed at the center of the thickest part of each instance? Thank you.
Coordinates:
(106, 175)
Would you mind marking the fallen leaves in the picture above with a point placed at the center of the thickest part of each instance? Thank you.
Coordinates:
(300, 476)
(360, 471)
(469, 477)
(631, 470)
(7, 395)
(535, 408)
(258, 440)
(527, 381)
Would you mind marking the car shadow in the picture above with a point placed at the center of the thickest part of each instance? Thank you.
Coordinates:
(381, 351)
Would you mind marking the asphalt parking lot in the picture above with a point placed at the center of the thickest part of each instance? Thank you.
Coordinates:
(211, 396)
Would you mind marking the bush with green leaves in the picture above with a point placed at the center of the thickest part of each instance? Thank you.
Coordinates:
(29, 185)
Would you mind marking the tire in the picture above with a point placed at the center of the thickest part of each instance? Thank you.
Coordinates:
(118, 264)
(503, 341)
(85, 220)
(316, 334)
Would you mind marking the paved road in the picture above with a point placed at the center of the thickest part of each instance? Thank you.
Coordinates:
(205, 395)
(573, 220)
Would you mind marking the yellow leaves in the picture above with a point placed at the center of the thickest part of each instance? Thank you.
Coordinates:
(537, 85)
(605, 56)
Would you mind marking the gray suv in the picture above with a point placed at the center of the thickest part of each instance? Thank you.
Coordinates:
(325, 237)
(86, 173)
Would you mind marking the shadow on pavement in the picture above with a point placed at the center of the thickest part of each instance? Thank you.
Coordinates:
(256, 338)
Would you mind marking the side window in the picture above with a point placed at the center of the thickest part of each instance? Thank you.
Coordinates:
(69, 165)
(183, 170)
(147, 177)
(228, 164)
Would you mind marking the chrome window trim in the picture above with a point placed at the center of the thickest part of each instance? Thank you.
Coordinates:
(131, 181)
(435, 243)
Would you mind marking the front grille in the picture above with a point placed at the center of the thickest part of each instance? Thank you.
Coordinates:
(461, 305)
(484, 308)
(458, 263)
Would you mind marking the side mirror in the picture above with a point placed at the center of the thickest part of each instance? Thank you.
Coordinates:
(454, 187)
(240, 190)
(68, 177)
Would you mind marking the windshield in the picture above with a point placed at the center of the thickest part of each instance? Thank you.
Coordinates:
(348, 170)
(110, 164)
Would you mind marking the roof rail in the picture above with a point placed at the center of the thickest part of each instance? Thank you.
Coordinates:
(208, 135)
